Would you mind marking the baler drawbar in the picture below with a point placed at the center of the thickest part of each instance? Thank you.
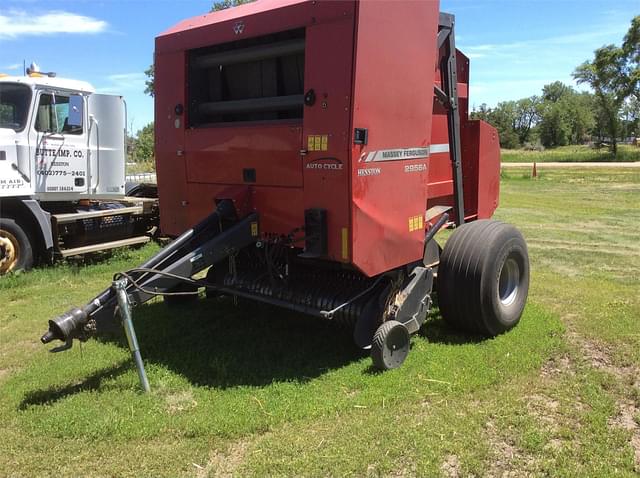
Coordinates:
(333, 142)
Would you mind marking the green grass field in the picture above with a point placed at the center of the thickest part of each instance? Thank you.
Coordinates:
(573, 153)
(251, 390)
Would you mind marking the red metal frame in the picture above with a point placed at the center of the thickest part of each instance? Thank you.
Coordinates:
(372, 64)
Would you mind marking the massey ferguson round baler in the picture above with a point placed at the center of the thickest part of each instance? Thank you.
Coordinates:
(319, 147)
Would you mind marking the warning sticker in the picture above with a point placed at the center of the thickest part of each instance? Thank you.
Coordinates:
(416, 223)
(317, 142)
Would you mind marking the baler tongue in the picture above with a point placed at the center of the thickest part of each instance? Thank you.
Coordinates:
(208, 243)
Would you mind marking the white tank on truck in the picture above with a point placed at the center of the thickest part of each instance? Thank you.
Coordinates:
(62, 172)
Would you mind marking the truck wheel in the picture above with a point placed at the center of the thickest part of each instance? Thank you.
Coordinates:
(483, 277)
(16, 252)
(390, 345)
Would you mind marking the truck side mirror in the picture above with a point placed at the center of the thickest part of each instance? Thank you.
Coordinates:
(76, 108)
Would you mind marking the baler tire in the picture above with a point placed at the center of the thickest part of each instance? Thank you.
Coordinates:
(15, 241)
(483, 277)
(390, 345)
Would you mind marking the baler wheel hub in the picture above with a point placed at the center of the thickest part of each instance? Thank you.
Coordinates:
(508, 283)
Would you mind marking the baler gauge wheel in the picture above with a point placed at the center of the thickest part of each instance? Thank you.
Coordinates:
(390, 345)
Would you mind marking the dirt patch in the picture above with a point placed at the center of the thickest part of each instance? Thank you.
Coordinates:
(224, 465)
(451, 466)
(557, 366)
(180, 401)
(599, 356)
(507, 460)
(626, 420)
(545, 409)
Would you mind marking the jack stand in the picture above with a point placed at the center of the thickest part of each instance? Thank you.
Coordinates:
(120, 286)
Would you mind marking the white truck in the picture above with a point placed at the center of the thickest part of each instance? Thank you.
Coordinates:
(62, 173)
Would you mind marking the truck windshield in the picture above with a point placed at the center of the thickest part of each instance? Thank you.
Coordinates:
(14, 105)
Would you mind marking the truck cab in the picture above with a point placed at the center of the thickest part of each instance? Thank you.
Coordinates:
(59, 140)
(62, 152)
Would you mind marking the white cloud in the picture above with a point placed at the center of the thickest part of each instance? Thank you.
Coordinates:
(18, 23)
(123, 82)
(517, 48)
(15, 66)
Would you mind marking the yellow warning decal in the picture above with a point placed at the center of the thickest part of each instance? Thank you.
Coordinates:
(317, 142)
(345, 243)
(254, 229)
(416, 223)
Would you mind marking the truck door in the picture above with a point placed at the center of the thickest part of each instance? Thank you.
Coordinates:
(58, 142)
(107, 123)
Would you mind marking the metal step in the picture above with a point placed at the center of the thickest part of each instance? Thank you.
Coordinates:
(75, 216)
(76, 251)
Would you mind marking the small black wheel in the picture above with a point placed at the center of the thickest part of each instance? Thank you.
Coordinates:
(390, 345)
(483, 277)
(16, 252)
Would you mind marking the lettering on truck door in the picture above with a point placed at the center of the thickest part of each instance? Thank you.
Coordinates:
(60, 141)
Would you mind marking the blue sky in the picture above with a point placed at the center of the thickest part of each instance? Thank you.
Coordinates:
(515, 46)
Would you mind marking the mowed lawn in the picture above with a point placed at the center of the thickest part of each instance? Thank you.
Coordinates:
(252, 390)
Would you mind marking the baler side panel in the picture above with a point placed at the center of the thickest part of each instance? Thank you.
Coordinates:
(329, 53)
(272, 151)
(393, 100)
(169, 142)
(488, 170)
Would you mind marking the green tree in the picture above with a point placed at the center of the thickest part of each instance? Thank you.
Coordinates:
(631, 117)
(481, 113)
(553, 92)
(614, 76)
(514, 120)
(149, 84)
(527, 114)
(143, 144)
(224, 4)
(554, 129)
(566, 116)
(503, 118)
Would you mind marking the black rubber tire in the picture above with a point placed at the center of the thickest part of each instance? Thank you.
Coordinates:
(390, 346)
(478, 287)
(17, 233)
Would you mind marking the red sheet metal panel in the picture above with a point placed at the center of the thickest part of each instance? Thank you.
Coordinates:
(326, 136)
(169, 142)
(481, 162)
(395, 61)
(273, 151)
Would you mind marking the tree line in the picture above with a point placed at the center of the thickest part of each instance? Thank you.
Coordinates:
(561, 115)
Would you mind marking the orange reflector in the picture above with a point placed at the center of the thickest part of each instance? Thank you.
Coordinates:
(345, 243)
